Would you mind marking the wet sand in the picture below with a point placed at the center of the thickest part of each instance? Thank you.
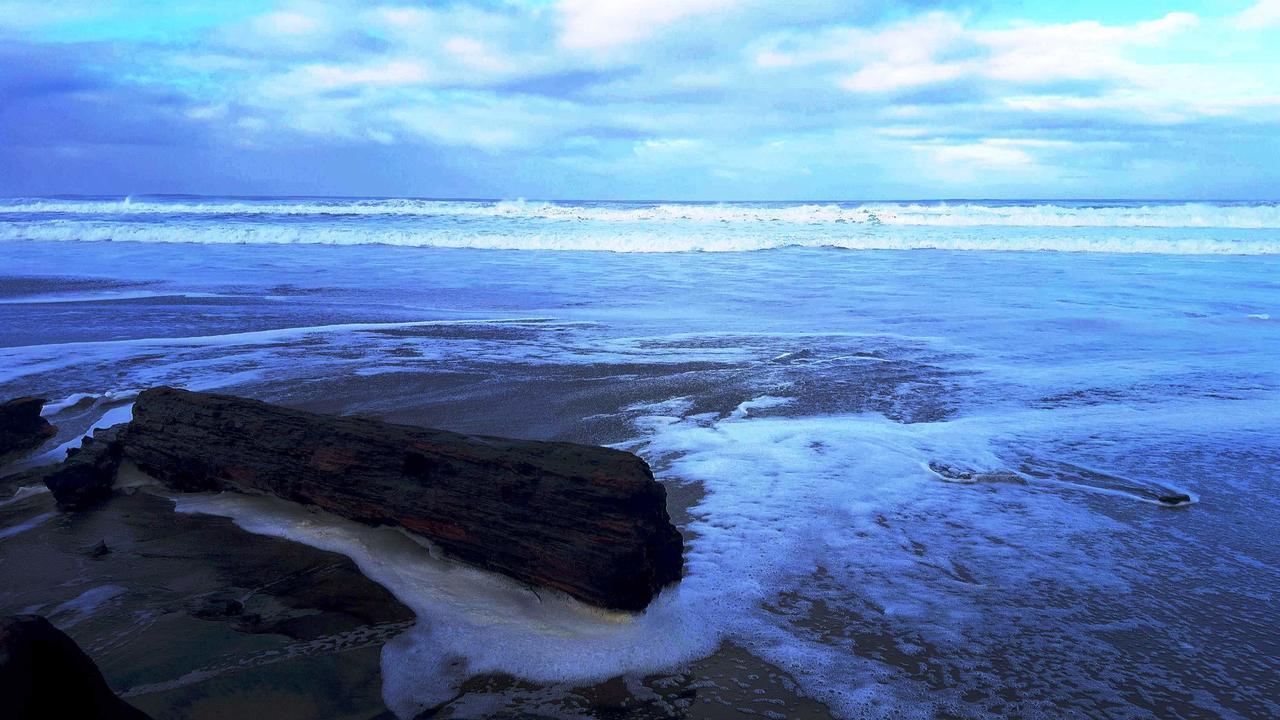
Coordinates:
(1066, 594)
(189, 616)
(160, 640)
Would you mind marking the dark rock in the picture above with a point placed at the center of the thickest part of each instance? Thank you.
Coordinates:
(100, 549)
(217, 606)
(951, 473)
(21, 427)
(45, 675)
(589, 521)
(89, 472)
(1174, 498)
(168, 558)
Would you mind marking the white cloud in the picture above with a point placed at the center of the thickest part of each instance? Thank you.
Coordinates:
(479, 120)
(665, 146)
(1264, 14)
(599, 24)
(725, 87)
(402, 17)
(901, 132)
(207, 112)
(287, 23)
(300, 28)
(886, 76)
(25, 15)
(914, 41)
(329, 77)
(1083, 50)
(938, 47)
(992, 153)
(476, 54)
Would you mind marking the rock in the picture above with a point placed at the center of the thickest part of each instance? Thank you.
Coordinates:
(100, 549)
(45, 675)
(589, 521)
(1174, 498)
(89, 472)
(21, 427)
(313, 597)
(951, 473)
(216, 606)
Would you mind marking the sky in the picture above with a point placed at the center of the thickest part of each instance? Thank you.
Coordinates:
(643, 99)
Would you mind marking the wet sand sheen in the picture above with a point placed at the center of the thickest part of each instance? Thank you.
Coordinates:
(305, 641)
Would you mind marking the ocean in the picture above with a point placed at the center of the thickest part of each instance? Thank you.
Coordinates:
(917, 449)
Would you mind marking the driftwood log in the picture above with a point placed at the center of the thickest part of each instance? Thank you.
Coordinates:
(589, 521)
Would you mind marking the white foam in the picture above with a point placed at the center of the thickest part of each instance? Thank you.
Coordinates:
(102, 296)
(26, 360)
(958, 214)
(54, 408)
(851, 498)
(472, 622)
(25, 492)
(669, 240)
(85, 605)
(666, 227)
(114, 416)
(764, 402)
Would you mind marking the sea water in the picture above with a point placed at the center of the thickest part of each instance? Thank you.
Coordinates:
(917, 449)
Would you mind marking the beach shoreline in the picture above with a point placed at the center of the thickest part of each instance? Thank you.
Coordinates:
(908, 481)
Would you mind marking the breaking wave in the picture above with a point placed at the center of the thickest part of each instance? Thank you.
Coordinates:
(1200, 228)
(661, 241)
(1242, 215)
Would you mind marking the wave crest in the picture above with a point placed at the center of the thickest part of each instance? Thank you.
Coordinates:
(635, 242)
(961, 214)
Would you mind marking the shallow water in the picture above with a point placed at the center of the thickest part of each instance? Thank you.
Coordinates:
(918, 482)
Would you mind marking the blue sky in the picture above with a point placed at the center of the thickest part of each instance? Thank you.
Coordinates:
(643, 99)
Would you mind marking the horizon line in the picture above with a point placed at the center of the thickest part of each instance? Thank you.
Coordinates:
(648, 201)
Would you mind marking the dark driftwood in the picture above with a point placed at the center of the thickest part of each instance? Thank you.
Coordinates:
(44, 675)
(589, 521)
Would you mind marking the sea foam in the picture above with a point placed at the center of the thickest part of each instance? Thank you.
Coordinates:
(1226, 228)
(1023, 214)
(668, 240)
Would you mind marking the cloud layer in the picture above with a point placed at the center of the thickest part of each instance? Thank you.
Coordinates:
(629, 99)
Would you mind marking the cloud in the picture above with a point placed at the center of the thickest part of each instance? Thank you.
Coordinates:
(26, 15)
(595, 25)
(287, 24)
(993, 153)
(986, 154)
(879, 77)
(939, 47)
(665, 148)
(484, 121)
(637, 98)
(383, 74)
(1260, 16)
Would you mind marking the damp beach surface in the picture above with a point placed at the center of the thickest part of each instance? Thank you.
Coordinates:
(912, 483)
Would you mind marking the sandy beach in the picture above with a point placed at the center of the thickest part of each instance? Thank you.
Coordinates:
(889, 503)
